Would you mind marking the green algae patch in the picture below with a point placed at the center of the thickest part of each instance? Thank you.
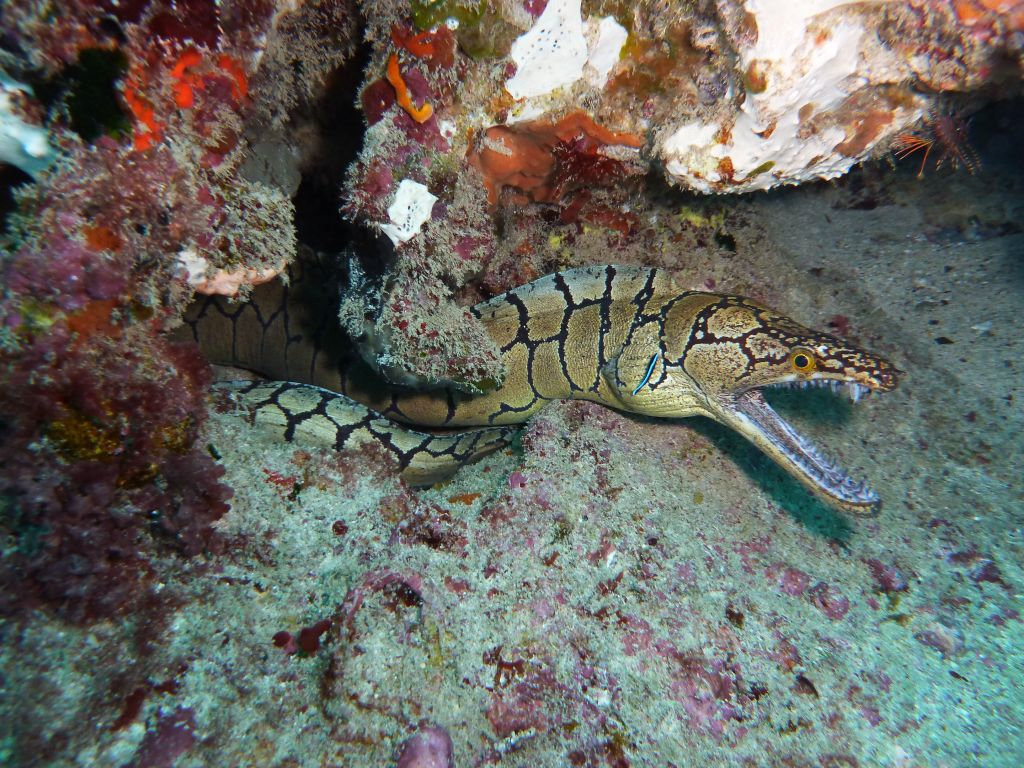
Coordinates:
(764, 167)
(427, 14)
(482, 32)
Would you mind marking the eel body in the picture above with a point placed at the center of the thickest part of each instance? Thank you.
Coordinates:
(626, 337)
(311, 416)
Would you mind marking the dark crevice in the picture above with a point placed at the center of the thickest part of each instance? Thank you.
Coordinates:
(340, 130)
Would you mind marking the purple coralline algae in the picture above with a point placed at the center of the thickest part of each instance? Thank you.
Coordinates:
(431, 747)
(103, 462)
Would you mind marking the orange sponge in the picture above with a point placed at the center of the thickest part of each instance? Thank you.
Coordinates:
(523, 155)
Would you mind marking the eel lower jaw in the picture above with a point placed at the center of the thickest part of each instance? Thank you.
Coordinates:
(750, 414)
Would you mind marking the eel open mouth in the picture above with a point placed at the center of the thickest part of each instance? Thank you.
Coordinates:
(816, 469)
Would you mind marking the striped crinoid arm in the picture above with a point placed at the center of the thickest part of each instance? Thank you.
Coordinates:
(947, 136)
(907, 144)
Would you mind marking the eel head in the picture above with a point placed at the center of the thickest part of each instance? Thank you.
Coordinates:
(739, 348)
(714, 355)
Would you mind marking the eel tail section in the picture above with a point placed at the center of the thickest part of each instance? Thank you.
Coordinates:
(312, 417)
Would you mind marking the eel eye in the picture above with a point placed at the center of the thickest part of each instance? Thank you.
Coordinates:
(802, 361)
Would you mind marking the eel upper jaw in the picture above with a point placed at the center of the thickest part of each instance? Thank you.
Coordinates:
(749, 414)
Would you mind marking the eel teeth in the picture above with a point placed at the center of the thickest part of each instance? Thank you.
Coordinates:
(825, 469)
(816, 464)
(851, 389)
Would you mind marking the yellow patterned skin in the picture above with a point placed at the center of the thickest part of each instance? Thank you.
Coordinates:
(630, 338)
(318, 418)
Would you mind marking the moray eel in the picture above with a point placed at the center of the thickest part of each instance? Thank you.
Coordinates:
(626, 337)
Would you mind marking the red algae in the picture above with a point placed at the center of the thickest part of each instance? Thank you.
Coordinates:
(829, 600)
(308, 640)
(793, 581)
